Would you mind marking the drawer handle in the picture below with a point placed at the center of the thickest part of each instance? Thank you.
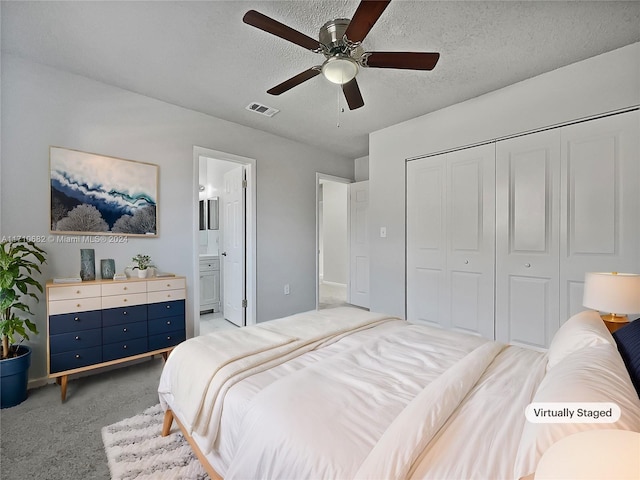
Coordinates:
(168, 338)
(77, 355)
(168, 284)
(78, 292)
(169, 322)
(77, 337)
(124, 313)
(124, 346)
(76, 319)
(125, 288)
(124, 329)
(78, 305)
(124, 300)
(527, 265)
(168, 306)
(168, 295)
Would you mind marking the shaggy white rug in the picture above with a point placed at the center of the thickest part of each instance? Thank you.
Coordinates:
(136, 450)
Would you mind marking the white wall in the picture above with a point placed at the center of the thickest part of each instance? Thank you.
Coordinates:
(361, 168)
(42, 106)
(334, 232)
(601, 84)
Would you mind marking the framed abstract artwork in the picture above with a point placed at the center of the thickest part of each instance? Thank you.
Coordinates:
(101, 195)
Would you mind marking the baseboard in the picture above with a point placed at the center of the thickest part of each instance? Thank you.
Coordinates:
(334, 284)
(39, 382)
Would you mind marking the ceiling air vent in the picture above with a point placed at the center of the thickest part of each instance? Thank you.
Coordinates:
(262, 109)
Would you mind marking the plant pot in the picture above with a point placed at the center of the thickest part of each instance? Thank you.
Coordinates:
(143, 273)
(14, 376)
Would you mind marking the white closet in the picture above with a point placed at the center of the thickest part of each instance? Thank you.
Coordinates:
(567, 201)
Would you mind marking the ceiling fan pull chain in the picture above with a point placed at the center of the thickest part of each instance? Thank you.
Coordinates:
(338, 115)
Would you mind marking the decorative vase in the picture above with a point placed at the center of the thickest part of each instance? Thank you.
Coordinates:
(14, 376)
(143, 273)
(87, 264)
(107, 268)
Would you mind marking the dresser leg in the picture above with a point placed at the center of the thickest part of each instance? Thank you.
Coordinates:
(166, 354)
(62, 381)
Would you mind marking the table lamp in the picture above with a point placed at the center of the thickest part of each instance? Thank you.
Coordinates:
(614, 293)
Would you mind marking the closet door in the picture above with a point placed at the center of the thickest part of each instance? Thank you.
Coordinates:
(470, 237)
(426, 241)
(600, 186)
(450, 240)
(527, 238)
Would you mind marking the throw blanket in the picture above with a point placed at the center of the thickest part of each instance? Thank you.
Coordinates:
(199, 371)
(370, 409)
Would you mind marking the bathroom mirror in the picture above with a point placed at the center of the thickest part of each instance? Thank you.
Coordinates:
(212, 211)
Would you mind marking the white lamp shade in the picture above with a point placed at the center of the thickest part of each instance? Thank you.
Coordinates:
(617, 293)
(340, 69)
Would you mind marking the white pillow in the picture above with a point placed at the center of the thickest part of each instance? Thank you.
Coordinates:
(595, 374)
(582, 330)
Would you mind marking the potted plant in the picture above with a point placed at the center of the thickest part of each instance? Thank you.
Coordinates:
(19, 260)
(142, 264)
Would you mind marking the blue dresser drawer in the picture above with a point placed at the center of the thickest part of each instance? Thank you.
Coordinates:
(72, 322)
(128, 348)
(117, 316)
(165, 340)
(167, 324)
(64, 342)
(166, 309)
(124, 332)
(75, 359)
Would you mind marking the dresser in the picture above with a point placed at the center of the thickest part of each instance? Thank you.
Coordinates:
(105, 322)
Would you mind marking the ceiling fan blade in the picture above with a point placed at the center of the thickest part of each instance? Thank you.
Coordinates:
(269, 25)
(364, 19)
(352, 94)
(294, 81)
(404, 60)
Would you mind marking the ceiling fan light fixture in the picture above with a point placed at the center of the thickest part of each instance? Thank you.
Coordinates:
(340, 69)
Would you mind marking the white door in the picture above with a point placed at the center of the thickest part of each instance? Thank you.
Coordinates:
(359, 244)
(527, 238)
(600, 223)
(233, 254)
(471, 239)
(426, 242)
(450, 240)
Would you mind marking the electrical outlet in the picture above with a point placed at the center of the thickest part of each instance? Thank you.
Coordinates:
(286, 289)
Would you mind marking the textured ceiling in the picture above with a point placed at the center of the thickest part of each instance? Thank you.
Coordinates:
(201, 56)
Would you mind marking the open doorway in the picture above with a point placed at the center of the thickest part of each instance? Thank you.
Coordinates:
(332, 226)
(224, 225)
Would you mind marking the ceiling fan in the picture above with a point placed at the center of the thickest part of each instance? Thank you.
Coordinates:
(340, 41)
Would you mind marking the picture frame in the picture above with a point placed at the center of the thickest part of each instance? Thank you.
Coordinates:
(93, 194)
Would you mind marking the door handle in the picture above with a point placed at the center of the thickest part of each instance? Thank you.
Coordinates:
(224, 254)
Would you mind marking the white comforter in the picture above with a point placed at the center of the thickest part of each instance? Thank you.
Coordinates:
(371, 404)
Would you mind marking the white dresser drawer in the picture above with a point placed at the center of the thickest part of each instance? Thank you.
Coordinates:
(165, 284)
(83, 304)
(115, 301)
(166, 296)
(123, 288)
(73, 291)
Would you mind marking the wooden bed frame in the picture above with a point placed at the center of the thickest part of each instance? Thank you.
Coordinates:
(166, 430)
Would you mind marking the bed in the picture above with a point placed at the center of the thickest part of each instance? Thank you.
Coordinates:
(345, 393)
